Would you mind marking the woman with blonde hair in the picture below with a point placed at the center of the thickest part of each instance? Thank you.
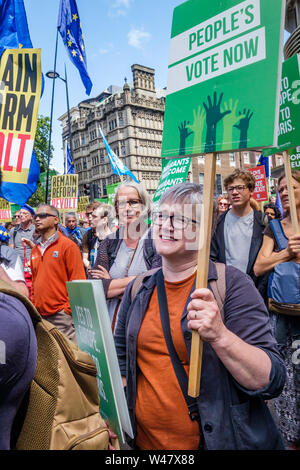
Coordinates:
(130, 250)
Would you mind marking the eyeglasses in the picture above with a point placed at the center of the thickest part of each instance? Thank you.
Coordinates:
(239, 188)
(132, 203)
(24, 213)
(16, 216)
(43, 215)
(178, 222)
(223, 204)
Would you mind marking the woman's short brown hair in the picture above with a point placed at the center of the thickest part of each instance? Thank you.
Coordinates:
(295, 175)
(244, 175)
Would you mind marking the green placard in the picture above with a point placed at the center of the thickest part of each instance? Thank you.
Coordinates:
(289, 114)
(94, 335)
(294, 155)
(224, 76)
(14, 208)
(111, 192)
(174, 171)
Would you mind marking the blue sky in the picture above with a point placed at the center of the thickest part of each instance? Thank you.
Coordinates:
(117, 34)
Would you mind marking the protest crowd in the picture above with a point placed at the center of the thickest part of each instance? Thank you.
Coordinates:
(136, 321)
(145, 259)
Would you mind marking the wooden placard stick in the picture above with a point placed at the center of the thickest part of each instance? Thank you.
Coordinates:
(288, 174)
(203, 262)
(195, 170)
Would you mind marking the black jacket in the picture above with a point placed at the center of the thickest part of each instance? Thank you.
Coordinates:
(217, 249)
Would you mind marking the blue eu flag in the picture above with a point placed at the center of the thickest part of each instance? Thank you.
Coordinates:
(117, 165)
(8, 27)
(264, 161)
(70, 30)
(70, 163)
(14, 34)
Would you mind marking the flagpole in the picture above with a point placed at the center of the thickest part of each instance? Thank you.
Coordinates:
(51, 120)
(69, 118)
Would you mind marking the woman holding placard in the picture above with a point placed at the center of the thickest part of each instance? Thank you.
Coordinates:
(128, 252)
(280, 255)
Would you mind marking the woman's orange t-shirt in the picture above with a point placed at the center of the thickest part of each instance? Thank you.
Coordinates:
(162, 415)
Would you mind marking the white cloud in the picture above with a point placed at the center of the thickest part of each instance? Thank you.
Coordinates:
(136, 37)
(120, 7)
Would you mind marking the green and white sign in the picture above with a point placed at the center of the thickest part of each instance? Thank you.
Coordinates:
(174, 171)
(111, 190)
(224, 76)
(94, 335)
(289, 113)
(294, 155)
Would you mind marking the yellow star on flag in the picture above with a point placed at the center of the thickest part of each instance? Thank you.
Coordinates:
(82, 47)
(68, 32)
(75, 17)
(70, 43)
(74, 53)
(81, 58)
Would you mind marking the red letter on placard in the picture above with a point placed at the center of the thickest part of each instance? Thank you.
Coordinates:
(23, 138)
(2, 140)
(7, 166)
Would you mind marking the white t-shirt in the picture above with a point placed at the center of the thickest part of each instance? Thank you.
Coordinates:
(238, 233)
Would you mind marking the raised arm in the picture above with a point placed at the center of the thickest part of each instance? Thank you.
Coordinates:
(267, 259)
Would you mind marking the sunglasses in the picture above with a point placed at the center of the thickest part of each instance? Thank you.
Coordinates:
(43, 215)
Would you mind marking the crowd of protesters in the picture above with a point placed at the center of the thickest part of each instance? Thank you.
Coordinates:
(146, 260)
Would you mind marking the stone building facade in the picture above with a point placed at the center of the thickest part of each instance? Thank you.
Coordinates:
(132, 121)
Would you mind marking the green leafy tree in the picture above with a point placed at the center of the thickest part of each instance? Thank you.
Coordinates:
(41, 142)
(40, 148)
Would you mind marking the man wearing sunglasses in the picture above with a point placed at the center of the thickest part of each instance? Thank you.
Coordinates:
(25, 229)
(239, 231)
(54, 260)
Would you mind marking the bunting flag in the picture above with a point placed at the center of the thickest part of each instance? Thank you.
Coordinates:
(117, 165)
(70, 30)
(70, 163)
(20, 168)
(8, 27)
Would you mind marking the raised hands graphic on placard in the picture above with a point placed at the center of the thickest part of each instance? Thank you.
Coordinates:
(243, 127)
(197, 128)
(213, 116)
(184, 133)
(229, 121)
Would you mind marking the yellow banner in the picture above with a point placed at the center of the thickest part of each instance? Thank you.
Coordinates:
(5, 211)
(83, 202)
(64, 192)
(20, 91)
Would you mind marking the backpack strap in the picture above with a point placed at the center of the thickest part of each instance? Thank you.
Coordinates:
(218, 287)
(9, 290)
(278, 233)
(137, 283)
